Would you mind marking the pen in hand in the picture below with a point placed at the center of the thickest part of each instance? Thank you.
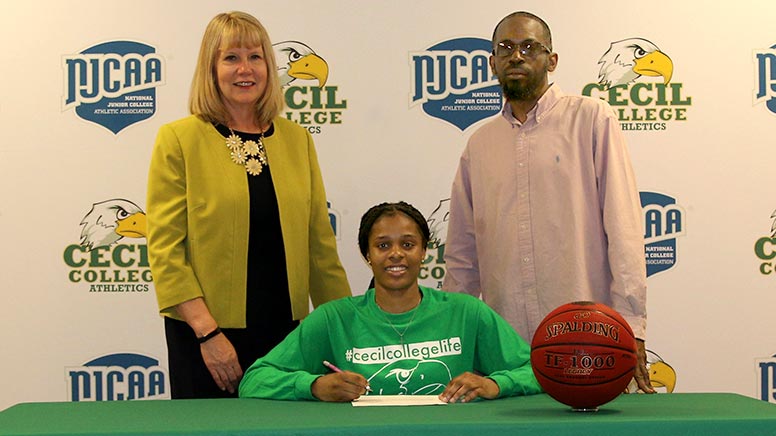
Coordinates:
(329, 365)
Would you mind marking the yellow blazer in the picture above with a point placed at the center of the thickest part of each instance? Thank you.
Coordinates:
(198, 219)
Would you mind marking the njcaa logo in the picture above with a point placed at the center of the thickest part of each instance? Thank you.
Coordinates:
(432, 269)
(663, 222)
(640, 104)
(765, 78)
(100, 260)
(312, 107)
(452, 81)
(334, 219)
(117, 377)
(113, 84)
(766, 378)
(765, 249)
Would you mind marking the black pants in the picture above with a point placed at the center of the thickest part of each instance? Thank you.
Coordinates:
(189, 376)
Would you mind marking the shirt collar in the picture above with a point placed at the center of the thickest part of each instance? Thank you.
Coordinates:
(545, 103)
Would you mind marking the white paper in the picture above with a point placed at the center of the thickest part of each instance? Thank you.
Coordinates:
(397, 400)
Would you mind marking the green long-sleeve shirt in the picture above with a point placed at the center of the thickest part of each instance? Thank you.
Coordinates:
(446, 335)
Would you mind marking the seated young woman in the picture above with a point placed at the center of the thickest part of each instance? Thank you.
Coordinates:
(397, 338)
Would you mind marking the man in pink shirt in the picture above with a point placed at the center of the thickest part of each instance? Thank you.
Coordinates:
(544, 208)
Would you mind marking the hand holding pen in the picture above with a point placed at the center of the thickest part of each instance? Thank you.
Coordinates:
(340, 386)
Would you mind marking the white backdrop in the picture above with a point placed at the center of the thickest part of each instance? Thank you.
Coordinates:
(72, 333)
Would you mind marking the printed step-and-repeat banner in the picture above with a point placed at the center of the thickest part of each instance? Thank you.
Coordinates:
(87, 84)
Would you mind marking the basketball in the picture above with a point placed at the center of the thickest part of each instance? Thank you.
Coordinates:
(583, 354)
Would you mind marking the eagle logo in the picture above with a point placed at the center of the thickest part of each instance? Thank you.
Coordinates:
(631, 58)
(661, 374)
(298, 61)
(437, 224)
(413, 377)
(110, 221)
(773, 225)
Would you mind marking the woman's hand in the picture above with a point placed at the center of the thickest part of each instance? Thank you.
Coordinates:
(467, 387)
(221, 360)
(218, 353)
(339, 386)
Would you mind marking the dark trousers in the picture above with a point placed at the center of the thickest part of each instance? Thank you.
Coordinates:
(189, 376)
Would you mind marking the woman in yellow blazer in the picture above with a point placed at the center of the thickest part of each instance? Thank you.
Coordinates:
(239, 237)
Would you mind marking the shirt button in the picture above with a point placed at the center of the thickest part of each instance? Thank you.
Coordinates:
(521, 164)
(526, 259)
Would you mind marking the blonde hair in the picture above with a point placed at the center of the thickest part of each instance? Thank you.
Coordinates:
(229, 30)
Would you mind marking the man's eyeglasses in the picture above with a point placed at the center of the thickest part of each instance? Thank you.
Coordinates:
(528, 49)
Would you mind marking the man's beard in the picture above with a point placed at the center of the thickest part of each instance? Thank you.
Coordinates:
(514, 90)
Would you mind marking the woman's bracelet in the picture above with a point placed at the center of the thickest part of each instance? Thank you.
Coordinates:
(209, 336)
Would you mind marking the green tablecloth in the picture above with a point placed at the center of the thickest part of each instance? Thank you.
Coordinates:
(661, 414)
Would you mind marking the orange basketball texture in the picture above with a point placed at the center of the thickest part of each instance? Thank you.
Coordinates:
(583, 354)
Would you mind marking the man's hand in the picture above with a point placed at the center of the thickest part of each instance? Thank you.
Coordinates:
(642, 374)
